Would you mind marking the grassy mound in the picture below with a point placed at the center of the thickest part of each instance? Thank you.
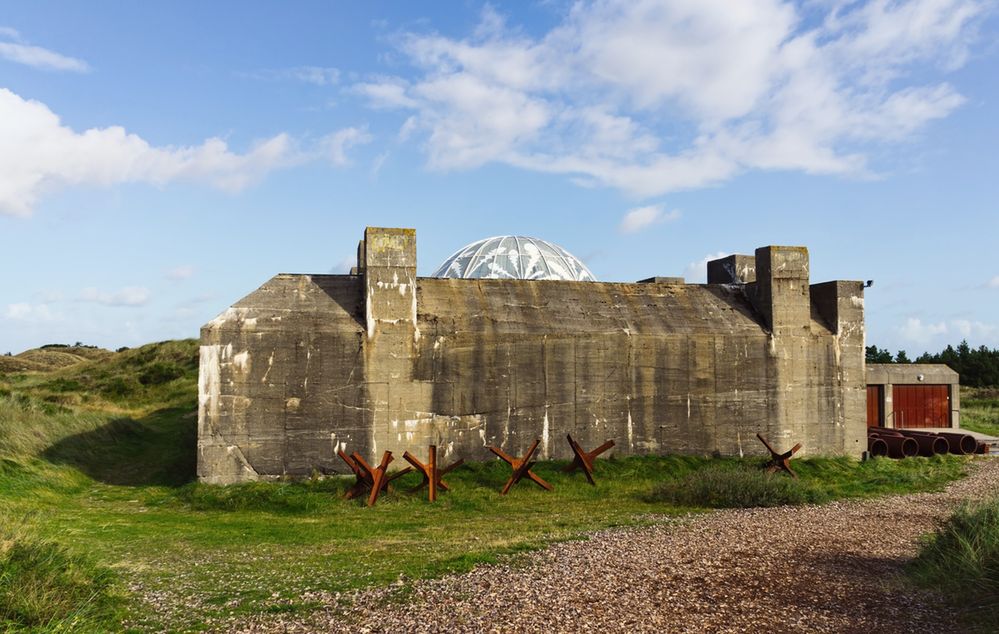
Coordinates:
(962, 558)
(135, 382)
(50, 357)
(44, 587)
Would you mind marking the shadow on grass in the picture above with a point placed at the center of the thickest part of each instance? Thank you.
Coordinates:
(158, 449)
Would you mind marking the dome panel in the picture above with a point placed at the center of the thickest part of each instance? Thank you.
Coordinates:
(516, 258)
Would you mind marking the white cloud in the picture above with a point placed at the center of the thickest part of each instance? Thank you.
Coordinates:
(128, 296)
(975, 329)
(317, 75)
(936, 335)
(656, 96)
(388, 93)
(994, 282)
(39, 154)
(180, 272)
(17, 51)
(643, 217)
(335, 145)
(377, 164)
(24, 311)
(916, 331)
(697, 272)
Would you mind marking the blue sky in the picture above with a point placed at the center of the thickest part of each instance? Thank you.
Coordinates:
(158, 161)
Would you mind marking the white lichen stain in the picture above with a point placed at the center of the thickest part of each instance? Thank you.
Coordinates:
(369, 317)
(292, 404)
(544, 433)
(270, 364)
(416, 329)
(631, 430)
(241, 361)
(337, 445)
(208, 385)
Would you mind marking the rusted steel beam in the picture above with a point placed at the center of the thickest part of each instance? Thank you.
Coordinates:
(521, 468)
(373, 480)
(779, 461)
(432, 474)
(584, 459)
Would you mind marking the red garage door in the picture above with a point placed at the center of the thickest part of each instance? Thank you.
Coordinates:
(921, 405)
(874, 405)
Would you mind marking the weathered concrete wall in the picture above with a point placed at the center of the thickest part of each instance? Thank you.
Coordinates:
(383, 360)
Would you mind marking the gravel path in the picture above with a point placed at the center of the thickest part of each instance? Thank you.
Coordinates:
(830, 568)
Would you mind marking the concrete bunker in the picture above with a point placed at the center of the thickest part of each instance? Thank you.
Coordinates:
(381, 359)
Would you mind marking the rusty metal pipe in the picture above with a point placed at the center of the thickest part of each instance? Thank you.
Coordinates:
(960, 444)
(930, 444)
(900, 446)
(876, 447)
(883, 431)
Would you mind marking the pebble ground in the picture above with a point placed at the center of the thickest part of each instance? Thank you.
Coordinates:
(829, 568)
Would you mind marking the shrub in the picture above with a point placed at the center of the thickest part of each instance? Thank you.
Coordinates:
(64, 385)
(732, 486)
(118, 386)
(160, 372)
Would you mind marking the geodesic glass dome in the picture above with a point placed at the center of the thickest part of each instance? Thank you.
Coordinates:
(515, 257)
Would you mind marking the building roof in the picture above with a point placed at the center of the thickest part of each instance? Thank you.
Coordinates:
(514, 257)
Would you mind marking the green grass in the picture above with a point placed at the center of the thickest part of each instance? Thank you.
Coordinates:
(97, 481)
(740, 484)
(43, 587)
(980, 410)
(962, 559)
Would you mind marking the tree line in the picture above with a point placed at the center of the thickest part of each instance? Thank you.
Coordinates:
(978, 367)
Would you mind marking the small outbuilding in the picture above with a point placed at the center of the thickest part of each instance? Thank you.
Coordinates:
(913, 396)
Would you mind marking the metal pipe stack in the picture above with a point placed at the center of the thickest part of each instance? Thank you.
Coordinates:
(905, 443)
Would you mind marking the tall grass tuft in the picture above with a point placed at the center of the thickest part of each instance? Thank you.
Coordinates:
(962, 559)
(43, 587)
(733, 486)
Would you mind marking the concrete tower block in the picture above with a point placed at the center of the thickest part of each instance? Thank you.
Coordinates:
(732, 269)
(782, 293)
(389, 269)
(841, 304)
